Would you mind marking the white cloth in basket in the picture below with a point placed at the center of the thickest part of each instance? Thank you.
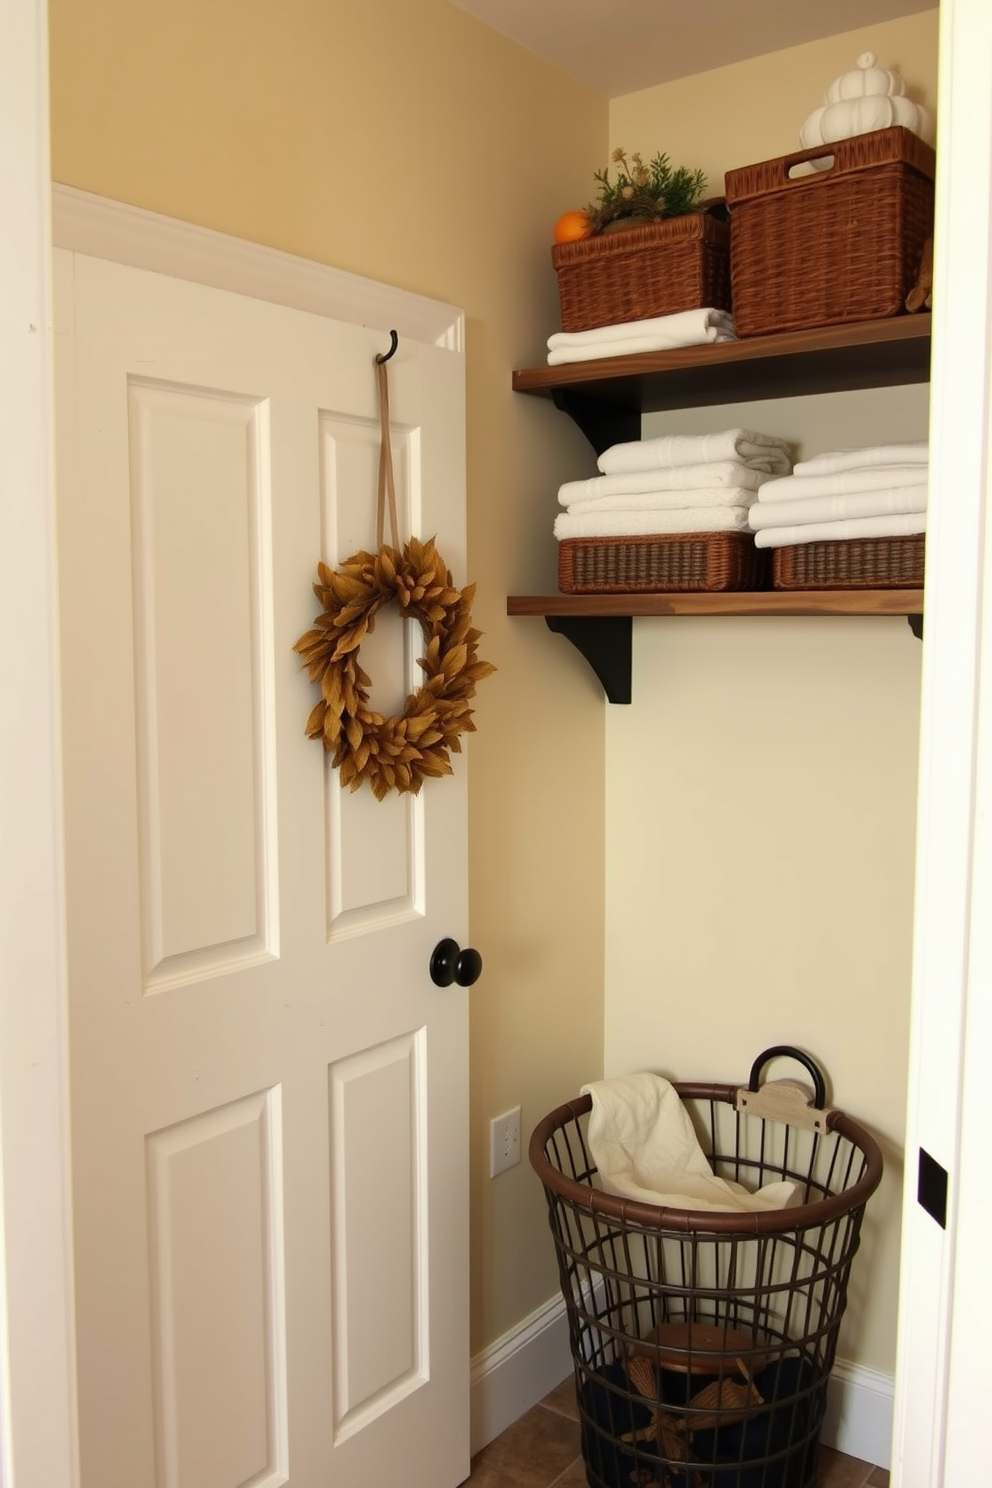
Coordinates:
(642, 1140)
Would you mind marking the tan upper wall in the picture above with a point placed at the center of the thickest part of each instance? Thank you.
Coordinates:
(733, 116)
(403, 140)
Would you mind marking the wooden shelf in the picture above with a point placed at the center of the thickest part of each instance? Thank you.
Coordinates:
(606, 398)
(600, 626)
(751, 602)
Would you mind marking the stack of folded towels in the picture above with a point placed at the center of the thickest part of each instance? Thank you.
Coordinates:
(665, 333)
(679, 483)
(876, 492)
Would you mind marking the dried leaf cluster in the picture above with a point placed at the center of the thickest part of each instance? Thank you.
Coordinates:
(392, 753)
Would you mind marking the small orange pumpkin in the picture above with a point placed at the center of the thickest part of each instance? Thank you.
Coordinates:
(571, 227)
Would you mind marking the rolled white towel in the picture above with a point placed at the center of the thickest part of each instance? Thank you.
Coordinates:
(651, 523)
(906, 525)
(677, 478)
(668, 500)
(757, 451)
(844, 482)
(837, 508)
(633, 346)
(681, 329)
(915, 452)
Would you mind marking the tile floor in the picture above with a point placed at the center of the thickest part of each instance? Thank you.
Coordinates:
(541, 1450)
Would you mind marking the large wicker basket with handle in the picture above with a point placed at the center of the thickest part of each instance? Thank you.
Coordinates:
(839, 245)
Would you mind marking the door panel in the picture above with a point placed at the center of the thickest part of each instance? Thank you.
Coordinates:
(269, 1096)
(218, 1306)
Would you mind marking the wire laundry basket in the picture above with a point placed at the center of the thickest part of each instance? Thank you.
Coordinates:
(703, 1341)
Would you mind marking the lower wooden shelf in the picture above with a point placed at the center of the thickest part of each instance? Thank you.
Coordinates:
(601, 625)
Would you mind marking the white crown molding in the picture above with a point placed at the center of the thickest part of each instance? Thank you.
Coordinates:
(101, 228)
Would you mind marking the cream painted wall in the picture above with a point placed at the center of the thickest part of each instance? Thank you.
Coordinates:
(753, 110)
(761, 791)
(407, 142)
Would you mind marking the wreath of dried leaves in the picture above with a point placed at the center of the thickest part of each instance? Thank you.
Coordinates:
(392, 753)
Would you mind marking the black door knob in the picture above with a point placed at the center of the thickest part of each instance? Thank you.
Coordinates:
(449, 963)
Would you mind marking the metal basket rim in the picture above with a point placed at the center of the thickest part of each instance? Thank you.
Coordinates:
(730, 1223)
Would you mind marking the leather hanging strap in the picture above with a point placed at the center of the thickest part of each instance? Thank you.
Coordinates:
(387, 486)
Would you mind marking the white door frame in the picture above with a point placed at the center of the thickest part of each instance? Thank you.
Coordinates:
(37, 1435)
(939, 1417)
(941, 1406)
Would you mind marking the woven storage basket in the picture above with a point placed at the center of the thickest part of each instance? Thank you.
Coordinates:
(703, 561)
(661, 268)
(839, 245)
(856, 563)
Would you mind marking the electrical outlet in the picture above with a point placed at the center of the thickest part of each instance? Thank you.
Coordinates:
(504, 1141)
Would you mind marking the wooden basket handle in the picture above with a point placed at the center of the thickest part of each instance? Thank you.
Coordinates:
(786, 1100)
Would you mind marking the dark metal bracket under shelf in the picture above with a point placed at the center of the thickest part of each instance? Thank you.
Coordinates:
(606, 642)
(603, 424)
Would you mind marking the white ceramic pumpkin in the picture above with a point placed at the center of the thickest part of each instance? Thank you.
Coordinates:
(867, 98)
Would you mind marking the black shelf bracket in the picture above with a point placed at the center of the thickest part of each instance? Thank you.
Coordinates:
(916, 625)
(602, 423)
(606, 642)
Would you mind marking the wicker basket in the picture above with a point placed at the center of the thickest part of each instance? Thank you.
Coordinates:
(839, 245)
(661, 268)
(694, 561)
(855, 563)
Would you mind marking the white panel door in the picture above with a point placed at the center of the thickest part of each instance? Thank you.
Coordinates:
(269, 1094)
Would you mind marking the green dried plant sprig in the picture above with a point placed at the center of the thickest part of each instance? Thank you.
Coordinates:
(643, 192)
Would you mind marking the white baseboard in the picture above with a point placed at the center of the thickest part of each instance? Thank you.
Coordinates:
(518, 1370)
(859, 1417)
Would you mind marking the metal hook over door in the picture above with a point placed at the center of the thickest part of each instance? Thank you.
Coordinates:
(449, 963)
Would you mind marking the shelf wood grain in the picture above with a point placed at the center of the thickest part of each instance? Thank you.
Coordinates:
(899, 602)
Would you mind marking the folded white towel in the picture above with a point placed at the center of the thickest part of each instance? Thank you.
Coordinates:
(837, 508)
(757, 451)
(668, 500)
(649, 523)
(806, 532)
(844, 482)
(916, 452)
(642, 1140)
(677, 478)
(659, 333)
(633, 346)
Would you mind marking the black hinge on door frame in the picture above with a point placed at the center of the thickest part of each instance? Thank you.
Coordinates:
(931, 1188)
